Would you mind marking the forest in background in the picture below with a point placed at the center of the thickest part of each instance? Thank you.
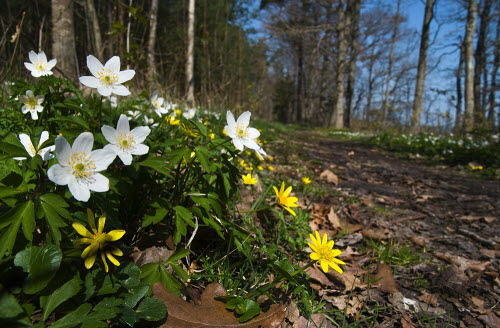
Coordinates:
(344, 63)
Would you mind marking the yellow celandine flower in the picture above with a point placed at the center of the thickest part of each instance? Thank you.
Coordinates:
(242, 163)
(324, 253)
(224, 132)
(189, 131)
(283, 199)
(260, 168)
(248, 180)
(249, 168)
(306, 180)
(259, 156)
(270, 168)
(178, 112)
(474, 168)
(270, 158)
(172, 120)
(212, 135)
(99, 241)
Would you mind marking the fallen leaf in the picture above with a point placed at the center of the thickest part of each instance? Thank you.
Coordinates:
(478, 304)
(376, 234)
(349, 278)
(351, 153)
(385, 279)
(491, 253)
(368, 202)
(329, 176)
(420, 241)
(334, 219)
(429, 299)
(151, 255)
(354, 304)
(292, 312)
(318, 276)
(406, 322)
(462, 263)
(211, 313)
(489, 219)
(490, 320)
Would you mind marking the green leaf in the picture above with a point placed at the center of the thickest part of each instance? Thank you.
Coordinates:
(168, 281)
(203, 157)
(179, 254)
(90, 284)
(11, 312)
(6, 191)
(14, 217)
(60, 295)
(284, 268)
(159, 214)
(181, 229)
(180, 272)
(28, 220)
(134, 273)
(128, 315)
(41, 263)
(252, 309)
(54, 221)
(151, 309)
(135, 295)
(74, 318)
(185, 214)
(158, 164)
(74, 120)
(108, 286)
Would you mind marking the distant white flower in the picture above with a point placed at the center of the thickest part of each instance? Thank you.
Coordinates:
(150, 121)
(107, 79)
(170, 106)
(79, 166)
(124, 142)
(113, 101)
(241, 133)
(39, 65)
(32, 151)
(189, 113)
(157, 103)
(32, 104)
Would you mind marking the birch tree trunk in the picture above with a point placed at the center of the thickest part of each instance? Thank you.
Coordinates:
(422, 64)
(469, 66)
(153, 18)
(337, 119)
(391, 60)
(354, 8)
(63, 38)
(493, 89)
(480, 67)
(190, 55)
(96, 30)
(458, 113)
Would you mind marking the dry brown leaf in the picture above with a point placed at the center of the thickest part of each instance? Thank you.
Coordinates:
(376, 234)
(491, 253)
(151, 255)
(334, 219)
(429, 299)
(368, 202)
(351, 153)
(385, 279)
(329, 176)
(490, 320)
(318, 276)
(354, 305)
(211, 313)
(489, 219)
(479, 305)
(406, 322)
(462, 263)
(420, 241)
(350, 278)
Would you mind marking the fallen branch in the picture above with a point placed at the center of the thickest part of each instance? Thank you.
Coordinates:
(409, 218)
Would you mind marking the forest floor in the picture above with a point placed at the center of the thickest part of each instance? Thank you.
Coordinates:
(421, 241)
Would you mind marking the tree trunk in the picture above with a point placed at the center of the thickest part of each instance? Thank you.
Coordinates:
(422, 63)
(190, 55)
(300, 79)
(96, 30)
(153, 18)
(469, 66)
(458, 127)
(354, 8)
(391, 60)
(338, 111)
(480, 67)
(493, 89)
(63, 38)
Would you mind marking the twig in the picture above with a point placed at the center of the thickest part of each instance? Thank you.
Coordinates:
(409, 218)
(476, 237)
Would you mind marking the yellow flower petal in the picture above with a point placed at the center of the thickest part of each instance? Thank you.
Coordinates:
(338, 261)
(336, 267)
(83, 241)
(82, 230)
(314, 256)
(91, 219)
(102, 222)
(89, 250)
(313, 247)
(287, 191)
(104, 261)
(325, 240)
(290, 210)
(114, 235)
(112, 259)
(324, 265)
(282, 187)
(318, 238)
(89, 261)
(276, 191)
(116, 251)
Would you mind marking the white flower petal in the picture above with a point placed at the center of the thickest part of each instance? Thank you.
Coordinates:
(36, 73)
(29, 94)
(125, 75)
(113, 64)
(80, 191)
(123, 125)
(24, 110)
(238, 144)
(63, 150)
(43, 137)
(83, 143)
(109, 133)
(100, 183)
(120, 90)
(230, 120)
(94, 65)
(39, 99)
(231, 132)
(45, 153)
(125, 157)
(33, 56)
(42, 57)
(51, 64)
(90, 81)
(34, 115)
(253, 133)
(102, 158)
(140, 149)
(60, 175)
(250, 143)
(154, 96)
(28, 145)
(245, 118)
(104, 90)
(29, 66)
(140, 133)
(160, 101)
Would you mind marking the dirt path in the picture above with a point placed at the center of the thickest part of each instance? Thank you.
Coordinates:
(450, 222)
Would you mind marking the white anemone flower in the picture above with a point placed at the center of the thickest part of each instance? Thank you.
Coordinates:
(125, 143)
(79, 166)
(32, 151)
(150, 121)
(39, 65)
(107, 79)
(133, 114)
(157, 103)
(32, 104)
(242, 134)
(189, 113)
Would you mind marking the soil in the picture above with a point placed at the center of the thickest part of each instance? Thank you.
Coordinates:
(448, 219)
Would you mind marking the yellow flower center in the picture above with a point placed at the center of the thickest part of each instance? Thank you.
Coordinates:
(82, 166)
(107, 76)
(31, 103)
(242, 130)
(41, 65)
(101, 239)
(126, 141)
